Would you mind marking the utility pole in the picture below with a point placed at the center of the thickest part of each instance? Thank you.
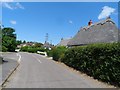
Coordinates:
(51, 42)
(46, 38)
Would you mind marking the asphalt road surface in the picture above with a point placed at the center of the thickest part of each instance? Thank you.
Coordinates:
(7, 66)
(36, 71)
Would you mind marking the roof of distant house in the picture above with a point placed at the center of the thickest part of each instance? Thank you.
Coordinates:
(47, 45)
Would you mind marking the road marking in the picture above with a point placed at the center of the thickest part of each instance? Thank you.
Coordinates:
(17, 54)
(37, 59)
(19, 59)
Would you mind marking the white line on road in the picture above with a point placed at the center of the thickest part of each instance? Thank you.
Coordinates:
(37, 59)
(19, 57)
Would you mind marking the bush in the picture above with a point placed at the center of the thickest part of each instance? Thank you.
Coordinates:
(24, 49)
(32, 49)
(4, 49)
(49, 53)
(42, 49)
(57, 53)
(102, 61)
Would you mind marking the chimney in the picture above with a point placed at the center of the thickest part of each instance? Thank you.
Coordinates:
(61, 39)
(90, 23)
(108, 17)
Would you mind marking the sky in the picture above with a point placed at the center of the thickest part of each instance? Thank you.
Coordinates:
(32, 20)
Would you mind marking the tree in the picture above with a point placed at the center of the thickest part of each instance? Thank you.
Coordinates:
(24, 41)
(18, 42)
(8, 39)
(38, 44)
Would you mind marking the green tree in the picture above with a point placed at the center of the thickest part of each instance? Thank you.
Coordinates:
(38, 45)
(24, 41)
(8, 39)
(18, 42)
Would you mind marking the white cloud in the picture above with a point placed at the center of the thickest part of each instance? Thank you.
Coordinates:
(12, 6)
(70, 21)
(7, 5)
(6, 0)
(106, 11)
(18, 5)
(13, 22)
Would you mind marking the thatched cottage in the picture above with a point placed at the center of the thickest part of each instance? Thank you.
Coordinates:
(104, 31)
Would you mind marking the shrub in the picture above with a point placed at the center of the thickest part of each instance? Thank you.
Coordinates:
(41, 49)
(102, 61)
(24, 49)
(32, 49)
(57, 52)
(49, 53)
(4, 49)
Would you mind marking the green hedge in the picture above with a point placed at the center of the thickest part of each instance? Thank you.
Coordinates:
(102, 61)
(57, 53)
(50, 53)
(32, 49)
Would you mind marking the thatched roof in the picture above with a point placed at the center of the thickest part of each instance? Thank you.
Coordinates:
(103, 31)
(63, 42)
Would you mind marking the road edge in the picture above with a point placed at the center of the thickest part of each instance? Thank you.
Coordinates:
(11, 72)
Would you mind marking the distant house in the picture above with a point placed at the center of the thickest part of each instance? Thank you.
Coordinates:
(47, 45)
(104, 31)
(63, 42)
(26, 44)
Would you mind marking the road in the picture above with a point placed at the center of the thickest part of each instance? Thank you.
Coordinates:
(7, 66)
(36, 71)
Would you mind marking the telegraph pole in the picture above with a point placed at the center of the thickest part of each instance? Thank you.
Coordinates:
(46, 38)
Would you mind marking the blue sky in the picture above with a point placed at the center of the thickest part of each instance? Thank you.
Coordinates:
(32, 20)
